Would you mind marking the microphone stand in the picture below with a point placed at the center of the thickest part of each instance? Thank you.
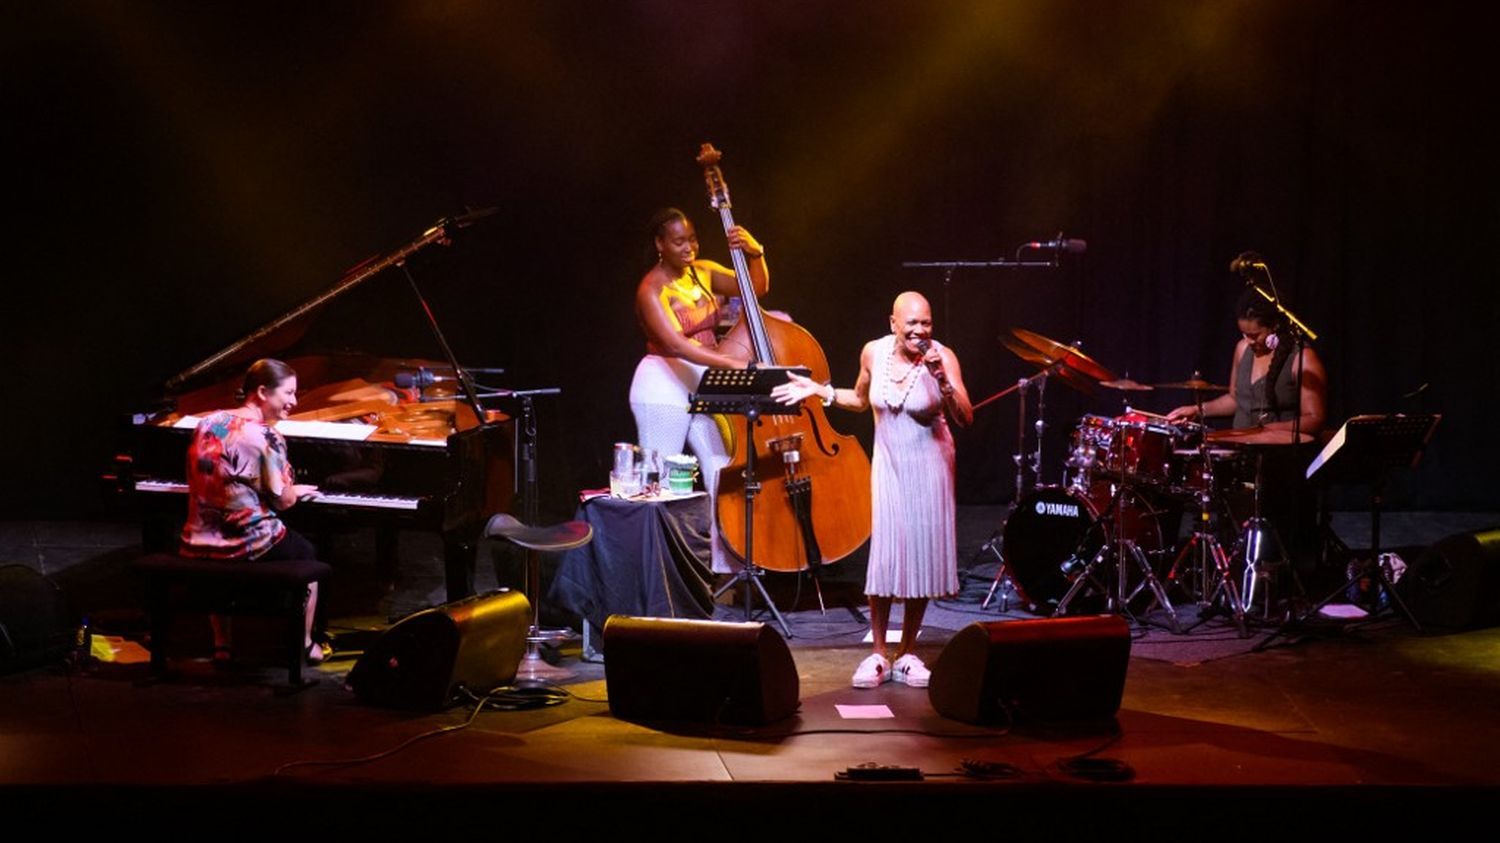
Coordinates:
(948, 268)
(1040, 379)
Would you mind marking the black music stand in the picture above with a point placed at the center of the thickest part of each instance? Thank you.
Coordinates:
(746, 392)
(1364, 452)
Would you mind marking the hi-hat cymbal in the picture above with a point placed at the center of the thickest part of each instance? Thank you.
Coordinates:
(1256, 436)
(1069, 355)
(1127, 385)
(1194, 384)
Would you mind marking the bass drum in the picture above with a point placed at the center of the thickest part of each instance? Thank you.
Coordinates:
(1054, 532)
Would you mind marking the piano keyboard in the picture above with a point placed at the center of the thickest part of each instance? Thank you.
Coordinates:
(173, 487)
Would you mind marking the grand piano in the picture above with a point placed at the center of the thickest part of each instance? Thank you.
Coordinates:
(392, 443)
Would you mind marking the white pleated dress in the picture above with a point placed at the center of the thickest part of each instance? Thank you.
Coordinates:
(913, 551)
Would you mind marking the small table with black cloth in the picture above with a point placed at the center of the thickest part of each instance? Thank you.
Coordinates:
(647, 559)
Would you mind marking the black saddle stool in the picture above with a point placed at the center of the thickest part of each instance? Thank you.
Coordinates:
(554, 538)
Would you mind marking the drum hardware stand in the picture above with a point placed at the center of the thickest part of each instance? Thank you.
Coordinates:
(1260, 549)
(747, 392)
(1119, 547)
(1003, 580)
(1213, 565)
(1020, 457)
(1366, 449)
(1054, 358)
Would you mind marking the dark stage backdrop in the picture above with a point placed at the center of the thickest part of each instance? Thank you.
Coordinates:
(179, 173)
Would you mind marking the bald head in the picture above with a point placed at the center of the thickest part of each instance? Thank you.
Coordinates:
(911, 322)
(910, 300)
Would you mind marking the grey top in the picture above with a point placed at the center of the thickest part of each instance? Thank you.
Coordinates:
(1252, 404)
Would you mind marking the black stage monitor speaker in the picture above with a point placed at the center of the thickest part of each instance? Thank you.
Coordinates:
(1050, 669)
(663, 669)
(36, 624)
(422, 661)
(1456, 582)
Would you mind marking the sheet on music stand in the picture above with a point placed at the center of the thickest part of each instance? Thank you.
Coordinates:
(1368, 446)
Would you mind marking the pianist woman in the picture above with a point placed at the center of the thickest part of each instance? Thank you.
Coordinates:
(677, 306)
(239, 479)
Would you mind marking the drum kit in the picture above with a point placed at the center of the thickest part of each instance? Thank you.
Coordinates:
(1101, 538)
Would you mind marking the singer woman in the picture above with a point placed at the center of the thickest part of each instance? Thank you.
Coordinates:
(914, 385)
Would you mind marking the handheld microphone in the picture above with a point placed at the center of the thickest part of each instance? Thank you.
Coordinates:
(933, 366)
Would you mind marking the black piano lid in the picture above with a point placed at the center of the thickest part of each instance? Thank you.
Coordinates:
(293, 334)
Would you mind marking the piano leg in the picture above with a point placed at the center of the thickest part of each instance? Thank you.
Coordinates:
(459, 556)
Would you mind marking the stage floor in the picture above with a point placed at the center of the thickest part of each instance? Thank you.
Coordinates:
(1376, 715)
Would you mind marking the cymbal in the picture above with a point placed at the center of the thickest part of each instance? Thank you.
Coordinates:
(1069, 355)
(1195, 384)
(1127, 385)
(1063, 373)
(1024, 351)
(1256, 436)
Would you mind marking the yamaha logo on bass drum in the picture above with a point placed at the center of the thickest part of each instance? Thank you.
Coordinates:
(1068, 510)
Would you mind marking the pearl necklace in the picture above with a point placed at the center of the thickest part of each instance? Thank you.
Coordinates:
(896, 402)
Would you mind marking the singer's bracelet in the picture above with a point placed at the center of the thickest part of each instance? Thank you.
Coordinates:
(833, 394)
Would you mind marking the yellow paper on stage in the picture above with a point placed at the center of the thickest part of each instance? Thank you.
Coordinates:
(110, 648)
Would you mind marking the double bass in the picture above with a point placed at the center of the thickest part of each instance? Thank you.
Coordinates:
(814, 504)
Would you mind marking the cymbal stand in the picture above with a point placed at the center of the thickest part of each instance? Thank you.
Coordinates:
(1120, 548)
(1003, 580)
(1212, 564)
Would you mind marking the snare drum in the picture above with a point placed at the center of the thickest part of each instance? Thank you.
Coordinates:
(1143, 447)
(1190, 472)
(1054, 531)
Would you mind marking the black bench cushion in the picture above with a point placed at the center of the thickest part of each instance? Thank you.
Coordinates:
(244, 571)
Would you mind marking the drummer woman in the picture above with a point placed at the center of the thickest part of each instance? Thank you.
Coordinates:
(677, 306)
(1261, 357)
(1263, 394)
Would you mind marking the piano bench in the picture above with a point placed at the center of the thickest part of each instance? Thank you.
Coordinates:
(227, 587)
